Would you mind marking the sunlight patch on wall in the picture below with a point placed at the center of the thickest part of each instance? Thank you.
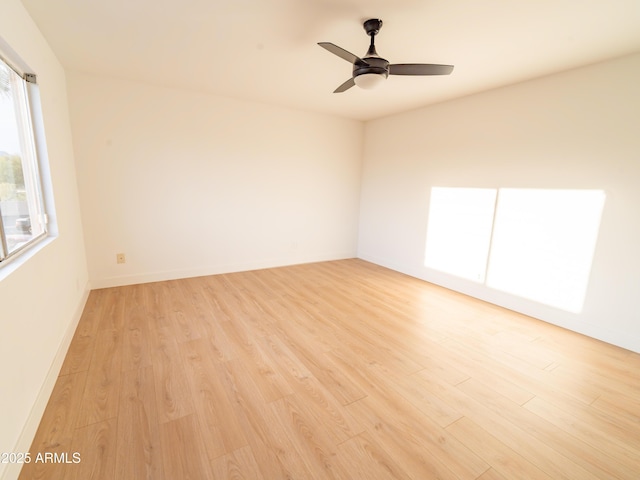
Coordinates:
(459, 231)
(535, 243)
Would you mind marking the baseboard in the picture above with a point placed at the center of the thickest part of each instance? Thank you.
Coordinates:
(161, 276)
(30, 428)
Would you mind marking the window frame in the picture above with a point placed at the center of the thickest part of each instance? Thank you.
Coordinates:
(30, 138)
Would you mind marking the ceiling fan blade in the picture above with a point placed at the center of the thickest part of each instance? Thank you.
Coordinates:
(345, 86)
(419, 69)
(342, 53)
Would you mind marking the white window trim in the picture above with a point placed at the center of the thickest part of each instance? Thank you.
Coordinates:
(37, 144)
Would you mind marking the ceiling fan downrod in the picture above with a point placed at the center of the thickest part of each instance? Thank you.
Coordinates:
(372, 27)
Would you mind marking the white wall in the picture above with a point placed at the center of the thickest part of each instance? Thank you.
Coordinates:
(578, 129)
(41, 296)
(191, 184)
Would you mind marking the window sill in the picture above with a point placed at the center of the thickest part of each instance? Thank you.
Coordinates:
(10, 265)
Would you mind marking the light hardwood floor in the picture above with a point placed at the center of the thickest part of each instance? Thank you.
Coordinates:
(339, 370)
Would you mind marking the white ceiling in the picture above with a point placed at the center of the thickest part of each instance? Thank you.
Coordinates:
(266, 50)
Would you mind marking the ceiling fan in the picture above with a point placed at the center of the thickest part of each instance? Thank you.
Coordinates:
(372, 70)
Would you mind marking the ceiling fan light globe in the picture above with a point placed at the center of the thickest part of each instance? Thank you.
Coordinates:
(369, 81)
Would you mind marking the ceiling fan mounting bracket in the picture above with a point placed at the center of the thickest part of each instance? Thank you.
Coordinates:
(372, 26)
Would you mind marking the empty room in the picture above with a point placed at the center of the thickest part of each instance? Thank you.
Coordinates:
(319, 240)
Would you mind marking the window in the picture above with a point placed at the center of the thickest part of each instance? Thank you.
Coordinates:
(534, 243)
(23, 220)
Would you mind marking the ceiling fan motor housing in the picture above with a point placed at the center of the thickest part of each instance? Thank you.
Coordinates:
(376, 65)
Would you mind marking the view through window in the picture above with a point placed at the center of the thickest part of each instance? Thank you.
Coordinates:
(534, 243)
(21, 206)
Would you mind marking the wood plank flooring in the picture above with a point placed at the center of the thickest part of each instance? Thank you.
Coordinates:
(335, 370)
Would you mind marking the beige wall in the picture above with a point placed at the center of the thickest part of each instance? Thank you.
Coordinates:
(191, 184)
(41, 295)
(575, 130)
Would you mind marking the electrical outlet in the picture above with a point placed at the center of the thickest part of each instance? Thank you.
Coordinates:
(120, 258)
